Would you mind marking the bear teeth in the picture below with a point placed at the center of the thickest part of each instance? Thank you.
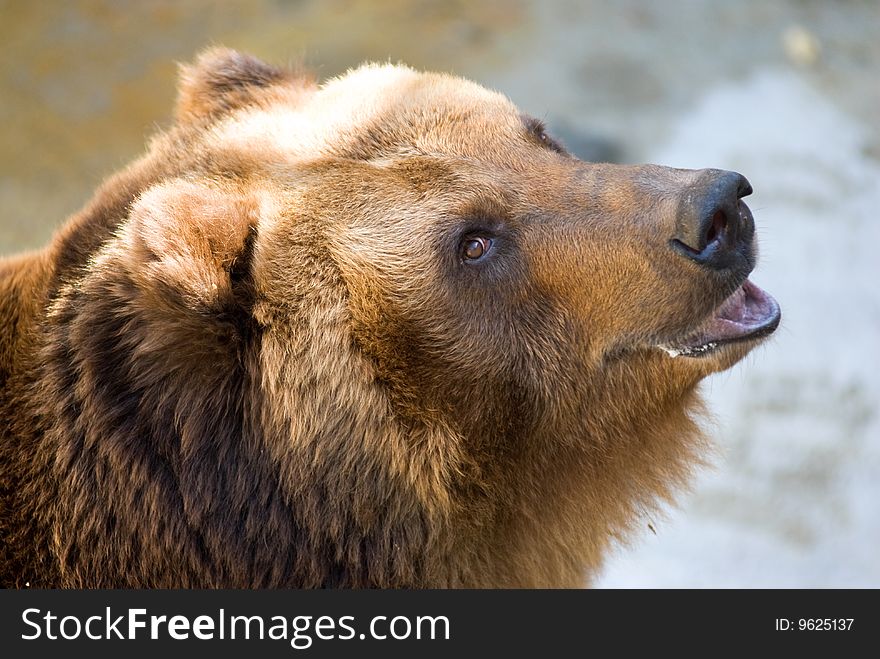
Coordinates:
(672, 352)
(690, 351)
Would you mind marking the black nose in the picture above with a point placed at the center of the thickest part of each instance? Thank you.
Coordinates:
(713, 227)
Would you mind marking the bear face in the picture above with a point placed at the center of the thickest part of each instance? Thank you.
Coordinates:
(382, 332)
(399, 170)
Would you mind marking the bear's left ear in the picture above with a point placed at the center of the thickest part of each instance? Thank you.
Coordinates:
(193, 243)
(222, 80)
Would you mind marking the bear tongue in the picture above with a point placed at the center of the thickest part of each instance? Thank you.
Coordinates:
(748, 313)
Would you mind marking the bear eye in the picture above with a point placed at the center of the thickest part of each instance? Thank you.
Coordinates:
(475, 248)
(538, 132)
(550, 143)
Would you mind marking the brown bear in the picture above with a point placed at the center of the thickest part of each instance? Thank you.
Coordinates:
(381, 332)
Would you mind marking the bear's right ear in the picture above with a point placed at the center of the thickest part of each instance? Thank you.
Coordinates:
(222, 80)
(193, 241)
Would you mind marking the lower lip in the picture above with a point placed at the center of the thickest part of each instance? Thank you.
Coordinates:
(758, 315)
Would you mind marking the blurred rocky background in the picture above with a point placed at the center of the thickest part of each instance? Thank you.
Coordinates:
(787, 92)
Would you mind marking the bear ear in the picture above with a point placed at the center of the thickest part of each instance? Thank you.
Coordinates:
(194, 241)
(221, 80)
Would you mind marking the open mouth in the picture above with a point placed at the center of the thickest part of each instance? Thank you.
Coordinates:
(748, 314)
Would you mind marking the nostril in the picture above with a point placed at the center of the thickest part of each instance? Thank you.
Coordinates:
(713, 225)
(716, 228)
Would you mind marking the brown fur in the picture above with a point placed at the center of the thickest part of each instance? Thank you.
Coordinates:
(255, 360)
